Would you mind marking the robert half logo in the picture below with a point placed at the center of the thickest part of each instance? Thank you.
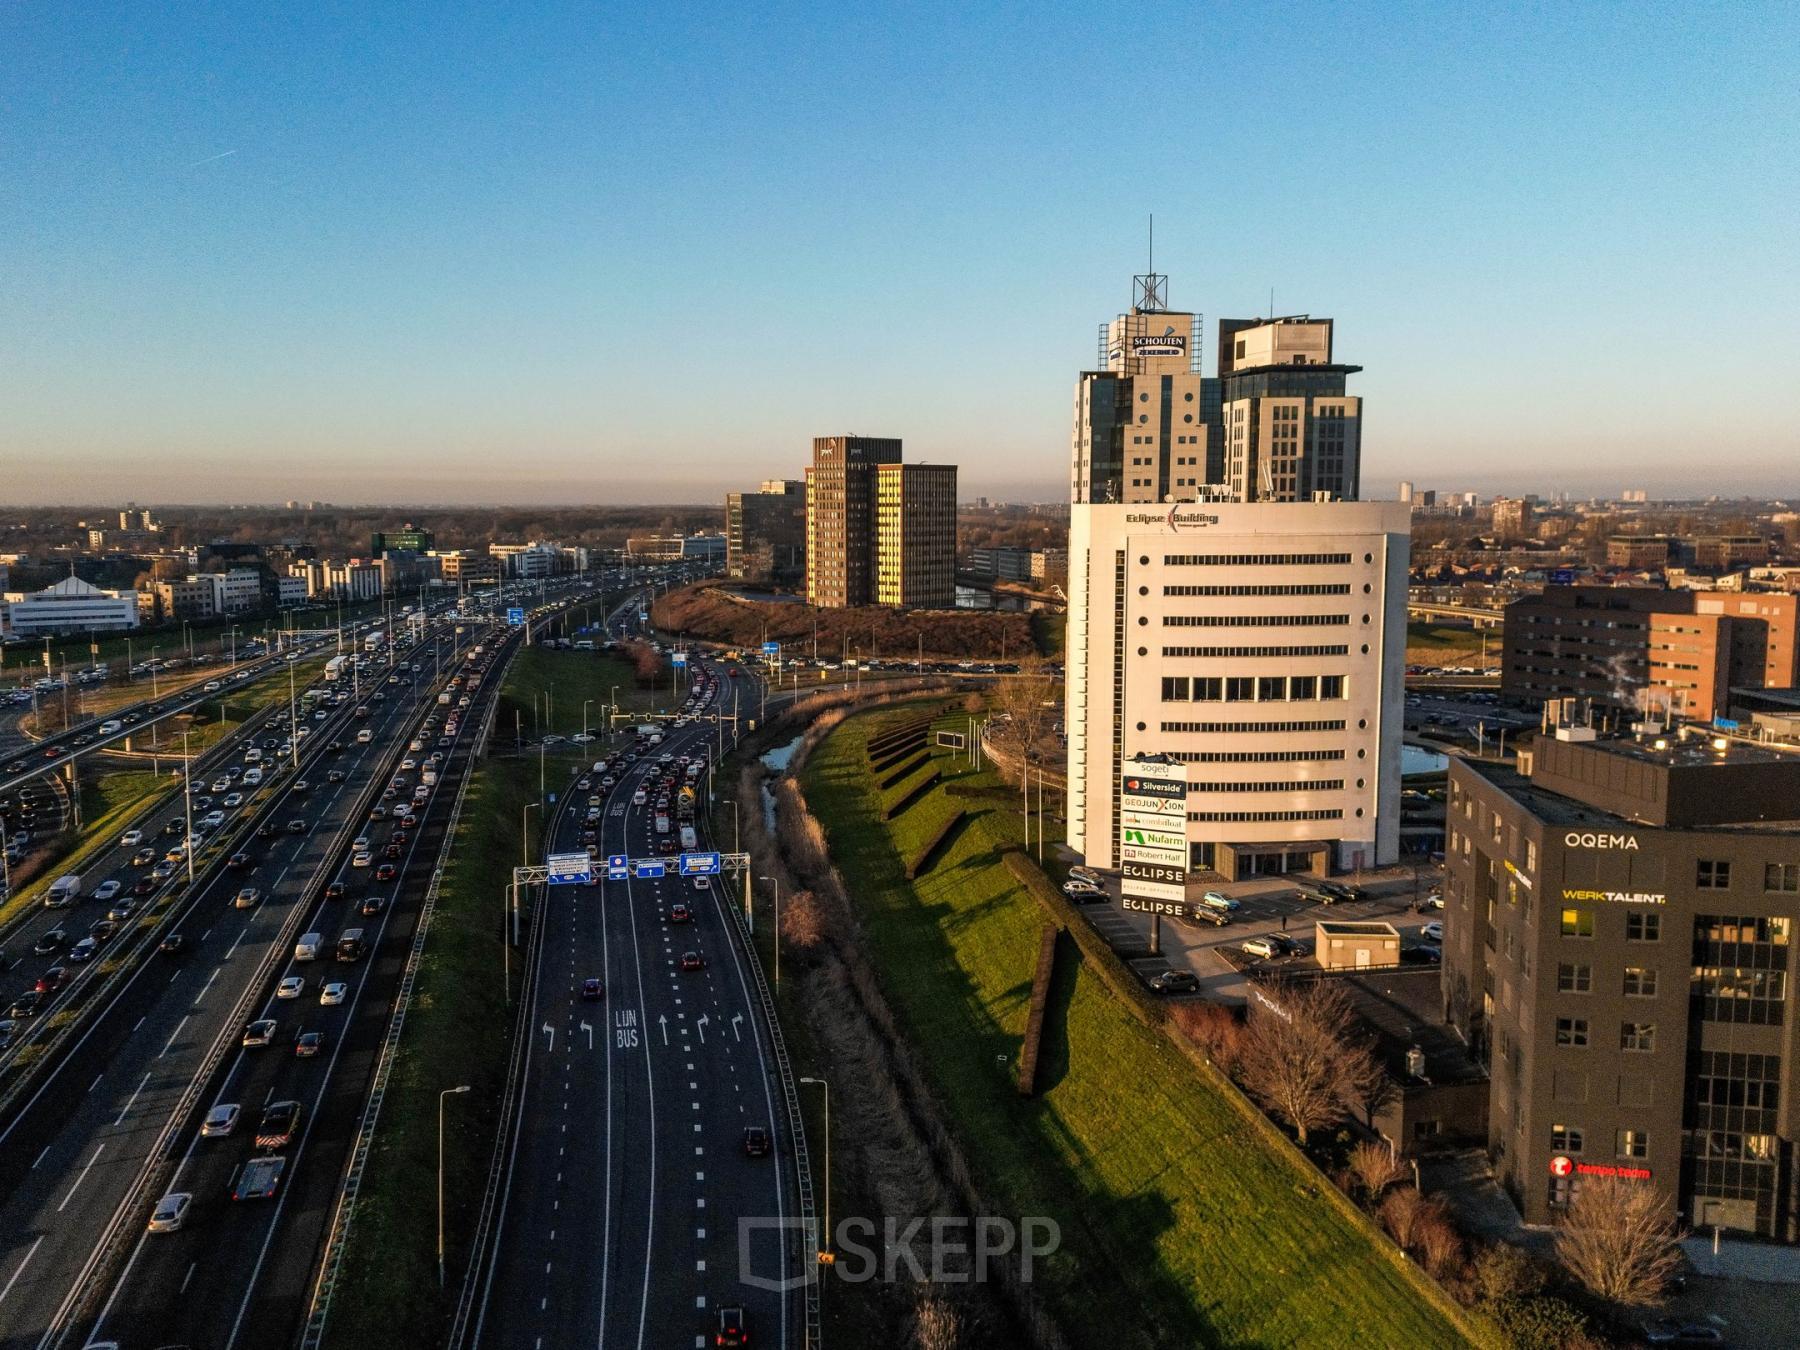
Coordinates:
(1167, 343)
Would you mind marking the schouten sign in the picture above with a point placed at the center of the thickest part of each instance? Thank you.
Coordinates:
(1614, 897)
(1594, 839)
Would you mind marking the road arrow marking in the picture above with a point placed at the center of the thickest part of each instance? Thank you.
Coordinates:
(550, 1031)
(588, 1027)
(737, 1018)
(663, 1022)
(700, 1026)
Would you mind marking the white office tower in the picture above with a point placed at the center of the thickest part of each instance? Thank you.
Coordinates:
(1259, 642)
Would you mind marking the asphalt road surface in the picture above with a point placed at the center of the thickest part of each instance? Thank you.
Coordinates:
(628, 1180)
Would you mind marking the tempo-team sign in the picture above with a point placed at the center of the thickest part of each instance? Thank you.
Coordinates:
(1153, 850)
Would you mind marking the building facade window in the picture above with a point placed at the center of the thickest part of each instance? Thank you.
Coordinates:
(1565, 1139)
(1578, 923)
(1639, 1037)
(1574, 978)
(1633, 1144)
(1643, 927)
(1572, 1031)
(1640, 982)
(1712, 874)
(1783, 878)
(1740, 969)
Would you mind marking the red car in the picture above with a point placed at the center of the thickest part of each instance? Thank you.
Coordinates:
(52, 980)
(693, 961)
(386, 872)
(680, 914)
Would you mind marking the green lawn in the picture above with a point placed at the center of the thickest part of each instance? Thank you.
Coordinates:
(1181, 1226)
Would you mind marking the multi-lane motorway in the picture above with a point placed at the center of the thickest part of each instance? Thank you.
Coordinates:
(628, 1193)
(71, 1157)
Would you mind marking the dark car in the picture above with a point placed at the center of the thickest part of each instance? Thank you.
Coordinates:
(309, 1043)
(265, 830)
(1218, 918)
(172, 945)
(239, 860)
(335, 776)
(144, 886)
(693, 961)
(392, 850)
(1176, 982)
(52, 980)
(733, 1329)
(335, 891)
(26, 1005)
(592, 989)
(143, 857)
(276, 1128)
(175, 827)
(756, 1142)
(50, 941)
(1423, 952)
(371, 905)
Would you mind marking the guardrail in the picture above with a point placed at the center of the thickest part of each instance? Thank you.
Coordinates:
(161, 1158)
(337, 1240)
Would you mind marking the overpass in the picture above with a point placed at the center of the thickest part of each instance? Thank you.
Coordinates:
(1474, 616)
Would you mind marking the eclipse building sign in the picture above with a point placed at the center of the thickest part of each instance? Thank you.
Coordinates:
(1153, 849)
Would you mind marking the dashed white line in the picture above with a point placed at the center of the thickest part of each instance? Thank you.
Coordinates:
(83, 1177)
(21, 1270)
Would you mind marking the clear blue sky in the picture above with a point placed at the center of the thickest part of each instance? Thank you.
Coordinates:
(588, 253)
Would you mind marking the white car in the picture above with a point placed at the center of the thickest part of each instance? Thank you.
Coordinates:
(332, 994)
(1435, 900)
(1261, 946)
(220, 1121)
(703, 883)
(221, 785)
(106, 890)
(170, 1212)
(361, 858)
(639, 797)
(290, 987)
(131, 839)
(1433, 931)
(233, 800)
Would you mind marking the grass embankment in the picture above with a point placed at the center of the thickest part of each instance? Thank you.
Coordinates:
(1180, 1225)
(458, 1030)
(1436, 644)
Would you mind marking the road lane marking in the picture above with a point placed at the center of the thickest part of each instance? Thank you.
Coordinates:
(83, 1177)
(21, 1270)
(172, 1035)
(129, 1104)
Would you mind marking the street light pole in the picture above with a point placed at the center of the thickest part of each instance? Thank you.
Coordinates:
(584, 722)
(777, 886)
(826, 1246)
(525, 833)
(447, 1092)
(187, 802)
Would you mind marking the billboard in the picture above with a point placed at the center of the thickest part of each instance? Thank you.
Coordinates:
(1153, 849)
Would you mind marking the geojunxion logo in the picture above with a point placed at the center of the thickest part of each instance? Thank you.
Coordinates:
(940, 1249)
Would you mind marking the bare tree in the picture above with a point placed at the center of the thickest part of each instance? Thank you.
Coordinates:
(936, 1324)
(1214, 1028)
(802, 921)
(1406, 1213)
(1295, 1054)
(1619, 1241)
(1374, 1167)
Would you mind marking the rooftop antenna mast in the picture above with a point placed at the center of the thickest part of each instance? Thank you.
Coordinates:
(1151, 288)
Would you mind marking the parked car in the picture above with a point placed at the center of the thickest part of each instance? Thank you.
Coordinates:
(1433, 931)
(1261, 946)
(1175, 982)
(1214, 900)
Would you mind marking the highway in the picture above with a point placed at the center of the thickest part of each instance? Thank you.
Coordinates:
(626, 1177)
(73, 1153)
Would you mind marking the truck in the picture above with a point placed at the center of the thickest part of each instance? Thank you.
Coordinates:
(260, 1179)
(307, 948)
(350, 945)
(65, 890)
(373, 641)
(336, 666)
(662, 823)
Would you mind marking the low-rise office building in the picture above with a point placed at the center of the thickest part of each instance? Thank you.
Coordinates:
(70, 606)
(1618, 934)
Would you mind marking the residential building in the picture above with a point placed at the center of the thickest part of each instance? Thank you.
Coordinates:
(1726, 552)
(69, 606)
(1638, 552)
(878, 531)
(1620, 917)
(1045, 566)
(1620, 646)
(1292, 431)
(238, 591)
(1511, 517)
(765, 534)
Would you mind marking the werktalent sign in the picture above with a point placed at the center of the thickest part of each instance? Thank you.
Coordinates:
(1614, 897)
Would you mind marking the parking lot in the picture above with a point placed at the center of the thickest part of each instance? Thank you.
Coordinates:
(1267, 906)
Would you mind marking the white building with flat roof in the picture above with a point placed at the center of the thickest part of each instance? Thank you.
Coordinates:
(1263, 645)
(70, 606)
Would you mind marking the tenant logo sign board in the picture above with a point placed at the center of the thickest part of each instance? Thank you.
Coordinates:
(1153, 850)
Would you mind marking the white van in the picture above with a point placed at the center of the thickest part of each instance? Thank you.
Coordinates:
(307, 948)
(253, 755)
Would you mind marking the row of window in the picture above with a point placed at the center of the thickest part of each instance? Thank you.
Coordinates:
(1297, 588)
(1639, 926)
(1626, 1143)
(1302, 649)
(1576, 977)
(1572, 1032)
(1251, 688)
(1259, 785)
(1255, 620)
(1260, 756)
(1253, 817)
(1227, 728)
(1257, 559)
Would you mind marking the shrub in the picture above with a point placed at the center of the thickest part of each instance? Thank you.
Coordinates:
(1373, 1168)
(1214, 1028)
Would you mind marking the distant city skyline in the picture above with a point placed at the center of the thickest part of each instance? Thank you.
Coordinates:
(520, 262)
